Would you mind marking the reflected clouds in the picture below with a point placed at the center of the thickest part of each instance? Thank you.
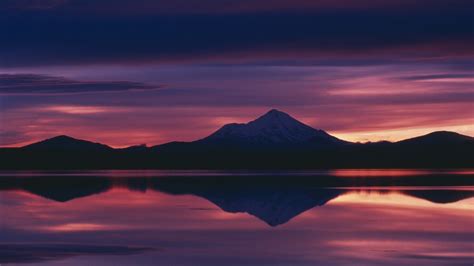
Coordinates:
(36, 252)
(187, 230)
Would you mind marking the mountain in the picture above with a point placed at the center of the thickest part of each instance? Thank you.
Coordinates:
(66, 143)
(273, 129)
(438, 138)
(275, 140)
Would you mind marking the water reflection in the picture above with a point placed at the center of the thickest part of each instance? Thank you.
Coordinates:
(274, 202)
(212, 221)
(35, 253)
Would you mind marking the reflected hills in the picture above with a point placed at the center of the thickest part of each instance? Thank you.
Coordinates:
(275, 202)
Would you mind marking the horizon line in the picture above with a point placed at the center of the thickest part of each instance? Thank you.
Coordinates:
(342, 136)
(149, 146)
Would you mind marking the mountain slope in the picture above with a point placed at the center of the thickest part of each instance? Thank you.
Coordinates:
(66, 143)
(275, 128)
(438, 138)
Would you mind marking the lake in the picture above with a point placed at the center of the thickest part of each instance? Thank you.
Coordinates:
(343, 217)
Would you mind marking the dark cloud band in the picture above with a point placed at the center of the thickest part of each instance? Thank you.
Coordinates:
(439, 76)
(32, 84)
(131, 7)
(72, 36)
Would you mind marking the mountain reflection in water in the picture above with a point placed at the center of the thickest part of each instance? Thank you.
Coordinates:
(184, 218)
(274, 200)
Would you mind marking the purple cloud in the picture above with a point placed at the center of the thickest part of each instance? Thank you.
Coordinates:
(33, 84)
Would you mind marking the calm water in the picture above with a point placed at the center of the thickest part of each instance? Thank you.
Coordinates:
(238, 218)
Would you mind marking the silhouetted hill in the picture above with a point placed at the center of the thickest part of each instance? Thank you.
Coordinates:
(66, 143)
(438, 138)
(272, 141)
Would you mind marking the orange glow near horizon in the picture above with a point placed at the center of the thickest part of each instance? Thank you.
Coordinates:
(402, 133)
(122, 139)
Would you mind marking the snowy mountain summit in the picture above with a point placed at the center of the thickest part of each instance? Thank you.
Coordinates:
(273, 128)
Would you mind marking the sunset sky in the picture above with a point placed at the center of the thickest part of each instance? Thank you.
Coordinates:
(122, 73)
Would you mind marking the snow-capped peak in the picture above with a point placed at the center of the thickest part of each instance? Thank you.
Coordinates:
(274, 127)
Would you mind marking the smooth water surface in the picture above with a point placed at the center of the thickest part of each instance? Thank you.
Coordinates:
(395, 217)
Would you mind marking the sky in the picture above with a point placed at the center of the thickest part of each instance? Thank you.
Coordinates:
(126, 72)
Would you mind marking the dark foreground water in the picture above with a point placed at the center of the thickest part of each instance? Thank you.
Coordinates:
(390, 217)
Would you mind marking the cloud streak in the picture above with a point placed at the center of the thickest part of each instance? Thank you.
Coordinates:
(451, 77)
(34, 84)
